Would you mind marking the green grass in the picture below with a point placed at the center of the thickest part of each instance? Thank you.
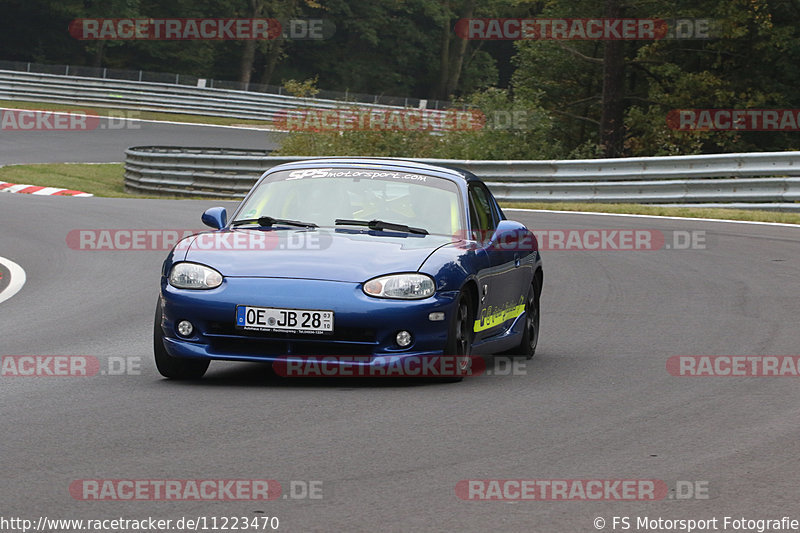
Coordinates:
(103, 179)
(143, 115)
(106, 179)
(686, 212)
(100, 180)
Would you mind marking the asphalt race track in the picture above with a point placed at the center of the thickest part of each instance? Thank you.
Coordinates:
(596, 403)
(109, 140)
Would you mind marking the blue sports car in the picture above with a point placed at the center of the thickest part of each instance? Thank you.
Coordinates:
(354, 259)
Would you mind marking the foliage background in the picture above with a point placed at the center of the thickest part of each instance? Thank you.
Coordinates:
(409, 48)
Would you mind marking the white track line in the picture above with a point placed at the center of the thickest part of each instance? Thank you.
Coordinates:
(796, 226)
(17, 279)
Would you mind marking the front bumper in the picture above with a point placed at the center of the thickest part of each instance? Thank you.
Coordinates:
(364, 327)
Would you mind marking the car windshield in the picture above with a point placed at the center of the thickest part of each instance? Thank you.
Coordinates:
(323, 195)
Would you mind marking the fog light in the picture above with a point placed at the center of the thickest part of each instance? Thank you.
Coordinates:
(403, 339)
(185, 328)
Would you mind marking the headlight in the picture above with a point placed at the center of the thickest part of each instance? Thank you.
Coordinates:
(404, 286)
(194, 276)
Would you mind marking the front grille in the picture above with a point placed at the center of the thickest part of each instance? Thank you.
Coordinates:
(262, 347)
(339, 334)
(226, 338)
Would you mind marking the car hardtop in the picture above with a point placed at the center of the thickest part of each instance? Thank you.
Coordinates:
(401, 165)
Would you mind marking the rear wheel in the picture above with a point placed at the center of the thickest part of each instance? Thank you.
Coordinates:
(530, 337)
(174, 367)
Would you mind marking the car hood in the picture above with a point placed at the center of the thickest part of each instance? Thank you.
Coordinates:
(341, 255)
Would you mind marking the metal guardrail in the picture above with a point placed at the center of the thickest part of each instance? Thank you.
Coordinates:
(163, 97)
(755, 180)
(195, 81)
(176, 171)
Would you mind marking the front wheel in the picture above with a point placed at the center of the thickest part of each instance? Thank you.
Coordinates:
(174, 367)
(460, 333)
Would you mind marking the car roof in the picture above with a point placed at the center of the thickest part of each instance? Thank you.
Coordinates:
(383, 162)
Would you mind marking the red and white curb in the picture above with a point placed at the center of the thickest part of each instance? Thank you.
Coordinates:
(33, 189)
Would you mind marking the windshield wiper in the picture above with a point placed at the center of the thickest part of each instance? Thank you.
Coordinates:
(380, 225)
(269, 222)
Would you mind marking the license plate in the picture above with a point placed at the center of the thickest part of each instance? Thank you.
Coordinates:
(307, 321)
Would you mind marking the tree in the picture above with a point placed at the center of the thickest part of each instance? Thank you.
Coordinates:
(612, 133)
(255, 10)
(453, 48)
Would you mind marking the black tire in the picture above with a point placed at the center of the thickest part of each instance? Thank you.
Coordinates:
(174, 367)
(460, 333)
(530, 337)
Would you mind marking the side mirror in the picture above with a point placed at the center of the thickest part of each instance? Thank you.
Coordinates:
(513, 236)
(507, 230)
(215, 217)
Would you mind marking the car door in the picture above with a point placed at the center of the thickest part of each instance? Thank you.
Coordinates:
(498, 291)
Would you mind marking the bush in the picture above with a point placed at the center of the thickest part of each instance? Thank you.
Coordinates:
(514, 128)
